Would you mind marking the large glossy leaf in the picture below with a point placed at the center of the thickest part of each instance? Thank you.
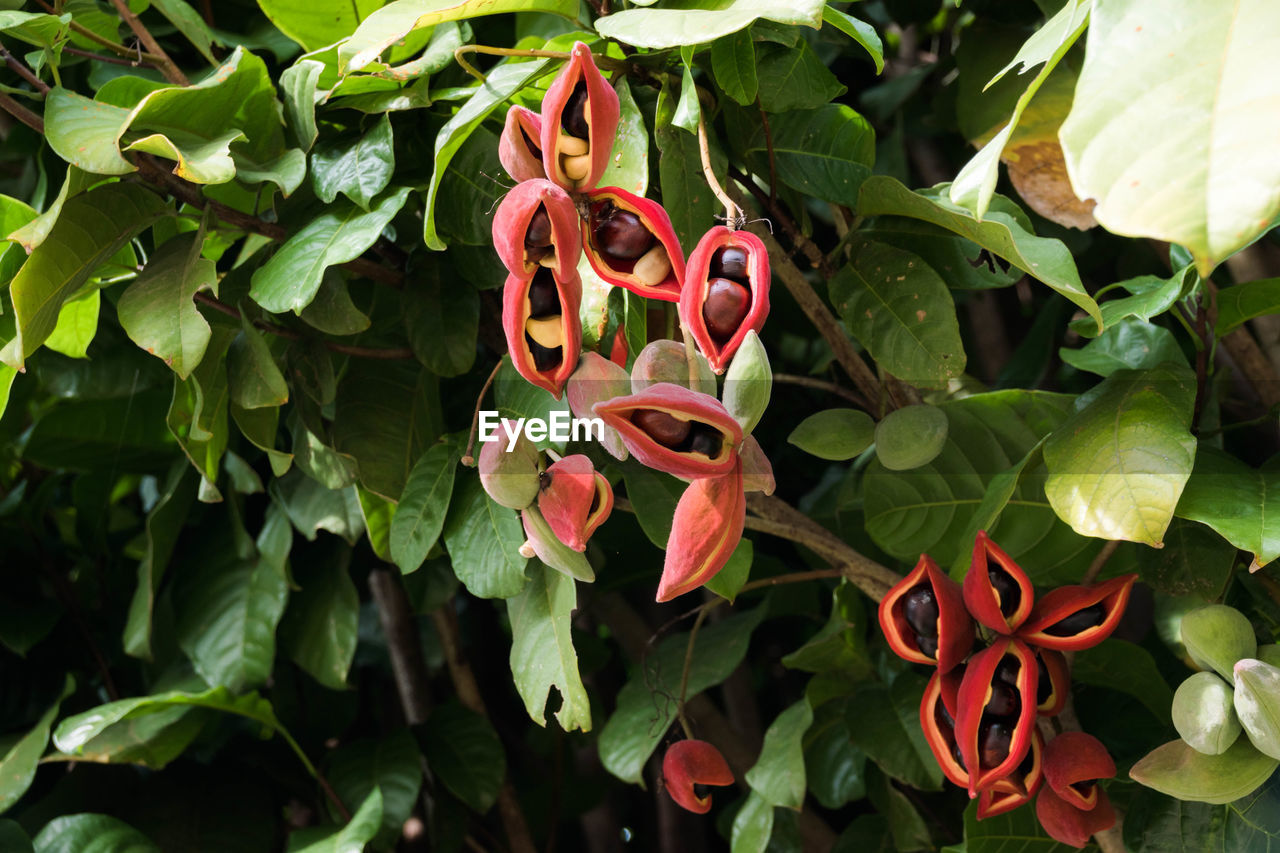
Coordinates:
(1149, 297)
(464, 752)
(629, 160)
(419, 518)
(313, 507)
(1163, 128)
(542, 651)
(778, 774)
(1000, 233)
(298, 86)
(319, 628)
(484, 542)
(825, 152)
(733, 61)
(752, 826)
(90, 229)
(654, 496)
(359, 166)
(351, 838)
(681, 22)
(1118, 465)
(834, 767)
(899, 308)
(18, 764)
(1195, 560)
(1243, 302)
(1155, 822)
(157, 310)
(1129, 668)
(644, 712)
(1233, 498)
(1179, 771)
(884, 722)
(79, 435)
(391, 765)
(860, 31)
(386, 415)
(197, 415)
(1131, 343)
(289, 281)
(1017, 830)
(83, 132)
(442, 320)
(14, 838)
(685, 194)
(253, 378)
(164, 524)
(317, 23)
(77, 325)
(794, 78)
(91, 833)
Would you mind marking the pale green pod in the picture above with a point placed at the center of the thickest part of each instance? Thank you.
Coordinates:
(1257, 703)
(543, 543)
(1179, 771)
(748, 384)
(1204, 714)
(1217, 636)
(509, 472)
(666, 361)
(1270, 653)
(910, 437)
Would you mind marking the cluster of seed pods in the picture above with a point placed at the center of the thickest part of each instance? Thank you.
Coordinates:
(980, 708)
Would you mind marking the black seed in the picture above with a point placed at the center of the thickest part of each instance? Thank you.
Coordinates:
(730, 262)
(928, 646)
(1044, 683)
(538, 234)
(921, 610)
(726, 306)
(574, 116)
(994, 740)
(942, 715)
(1004, 701)
(544, 358)
(700, 790)
(663, 428)
(1078, 622)
(955, 754)
(529, 141)
(1007, 670)
(1007, 590)
(705, 440)
(543, 298)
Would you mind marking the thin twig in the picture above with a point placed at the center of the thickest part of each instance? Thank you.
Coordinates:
(604, 61)
(100, 57)
(20, 68)
(383, 353)
(732, 213)
(823, 385)
(688, 662)
(467, 458)
(170, 71)
(776, 212)
(21, 113)
(1091, 573)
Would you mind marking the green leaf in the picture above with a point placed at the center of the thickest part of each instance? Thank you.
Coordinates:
(254, 380)
(1194, 562)
(1131, 343)
(149, 740)
(752, 826)
(319, 629)
(629, 159)
(644, 712)
(685, 194)
(778, 774)
(682, 22)
(1229, 496)
(35, 28)
(163, 526)
(79, 435)
(884, 722)
(18, 764)
(423, 505)
(1204, 95)
(729, 580)
(298, 85)
(317, 23)
(841, 644)
(197, 416)
(359, 167)
(392, 766)
(91, 228)
(1151, 296)
(464, 752)
(442, 320)
(91, 833)
(999, 233)
(332, 311)
(1179, 771)
(77, 325)
(84, 132)
(733, 62)
(1128, 668)
(157, 309)
(483, 540)
(313, 507)
(353, 837)
(825, 152)
(1014, 830)
(260, 427)
(794, 78)
(1155, 822)
(190, 24)
(654, 496)
(13, 838)
(378, 513)
(860, 31)
(1243, 302)
(834, 434)
(901, 311)
(542, 652)
(289, 281)
(687, 112)
(834, 767)
(1118, 465)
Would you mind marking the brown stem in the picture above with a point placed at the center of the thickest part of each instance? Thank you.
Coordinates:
(119, 49)
(386, 354)
(167, 68)
(603, 61)
(100, 57)
(823, 385)
(206, 11)
(20, 68)
(784, 220)
(21, 113)
(732, 213)
(467, 458)
(403, 644)
(1091, 574)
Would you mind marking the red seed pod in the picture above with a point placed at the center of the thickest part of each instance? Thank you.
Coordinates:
(1055, 683)
(707, 526)
(544, 335)
(579, 122)
(536, 225)
(575, 499)
(693, 762)
(520, 145)
(996, 590)
(1071, 618)
(1073, 764)
(597, 378)
(670, 428)
(1019, 786)
(1071, 825)
(726, 292)
(939, 726)
(630, 243)
(924, 619)
(996, 711)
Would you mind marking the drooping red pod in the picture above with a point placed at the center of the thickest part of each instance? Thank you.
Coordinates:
(1019, 786)
(693, 762)
(1055, 682)
(939, 726)
(726, 292)
(1073, 764)
(923, 617)
(996, 590)
(536, 226)
(579, 122)
(544, 334)
(630, 243)
(575, 499)
(996, 711)
(1070, 825)
(670, 428)
(1071, 618)
(520, 146)
(707, 526)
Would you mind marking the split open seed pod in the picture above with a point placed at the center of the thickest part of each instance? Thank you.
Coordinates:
(544, 334)
(924, 619)
(575, 499)
(670, 428)
(996, 711)
(579, 122)
(536, 226)
(693, 762)
(630, 243)
(726, 292)
(1053, 688)
(939, 727)
(1070, 825)
(520, 146)
(1073, 764)
(1071, 618)
(1019, 786)
(996, 590)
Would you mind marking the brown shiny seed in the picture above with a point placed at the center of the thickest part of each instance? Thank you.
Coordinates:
(994, 741)
(730, 262)
(1007, 590)
(1044, 684)
(544, 358)
(921, 610)
(543, 298)
(1081, 620)
(538, 234)
(707, 441)
(1004, 701)
(534, 147)
(574, 116)
(928, 646)
(663, 428)
(725, 308)
(621, 234)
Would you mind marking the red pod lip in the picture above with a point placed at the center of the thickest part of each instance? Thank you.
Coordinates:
(909, 599)
(983, 720)
(939, 732)
(519, 146)
(1054, 672)
(1073, 764)
(693, 762)
(600, 113)
(575, 499)
(707, 421)
(1018, 787)
(707, 526)
(639, 274)
(511, 226)
(1070, 825)
(1071, 618)
(983, 598)
(551, 369)
(698, 276)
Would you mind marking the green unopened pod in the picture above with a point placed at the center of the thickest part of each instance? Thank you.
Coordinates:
(1217, 636)
(748, 383)
(1257, 703)
(1270, 653)
(1205, 715)
(910, 437)
(667, 361)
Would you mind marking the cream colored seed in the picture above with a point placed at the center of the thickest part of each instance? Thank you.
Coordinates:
(548, 260)
(653, 267)
(545, 331)
(576, 168)
(572, 146)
